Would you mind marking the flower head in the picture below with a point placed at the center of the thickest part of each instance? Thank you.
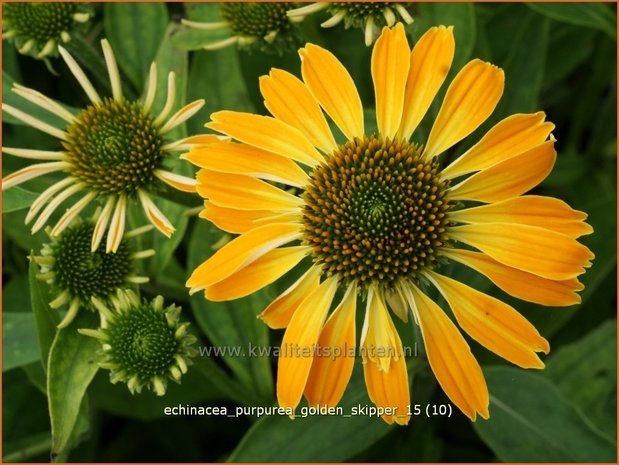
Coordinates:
(262, 25)
(143, 343)
(113, 150)
(369, 16)
(76, 273)
(36, 28)
(379, 216)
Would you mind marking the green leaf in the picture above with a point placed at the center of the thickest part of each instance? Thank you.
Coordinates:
(135, 31)
(20, 345)
(316, 438)
(531, 421)
(586, 373)
(17, 198)
(71, 367)
(45, 318)
(594, 15)
(11, 98)
(524, 67)
(194, 39)
(232, 325)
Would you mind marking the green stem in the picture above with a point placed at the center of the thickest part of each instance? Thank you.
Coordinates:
(41, 446)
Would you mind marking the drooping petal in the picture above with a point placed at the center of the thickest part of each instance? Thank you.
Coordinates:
(510, 177)
(228, 157)
(430, 61)
(389, 389)
(470, 99)
(384, 364)
(544, 212)
(335, 90)
(244, 192)
(240, 252)
(397, 303)
(528, 248)
(279, 312)
(333, 366)
(451, 359)
(512, 136)
(154, 215)
(234, 221)
(298, 345)
(492, 323)
(266, 133)
(289, 100)
(520, 284)
(390, 65)
(177, 181)
(261, 272)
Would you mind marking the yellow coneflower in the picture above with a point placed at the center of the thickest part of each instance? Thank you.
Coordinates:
(113, 150)
(37, 28)
(378, 217)
(264, 25)
(369, 16)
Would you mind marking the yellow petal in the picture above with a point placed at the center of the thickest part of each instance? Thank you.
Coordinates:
(508, 178)
(298, 345)
(390, 64)
(389, 390)
(512, 136)
(492, 323)
(332, 86)
(429, 65)
(278, 314)
(332, 367)
(379, 339)
(241, 252)
(470, 99)
(397, 304)
(228, 157)
(261, 272)
(528, 248)
(243, 192)
(534, 210)
(266, 133)
(234, 221)
(451, 359)
(289, 100)
(520, 284)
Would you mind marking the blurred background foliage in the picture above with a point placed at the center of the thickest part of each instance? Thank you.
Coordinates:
(559, 58)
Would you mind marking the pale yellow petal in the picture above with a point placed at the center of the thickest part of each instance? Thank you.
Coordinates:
(241, 252)
(451, 359)
(335, 90)
(243, 192)
(520, 284)
(512, 136)
(289, 100)
(333, 366)
(544, 212)
(261, 272)
(528, 248)
(470, 99)
(493, 323)
(228, 157)
(430, 61)
(266, 133)
(279, 312)
(298, 345)
(390, 64)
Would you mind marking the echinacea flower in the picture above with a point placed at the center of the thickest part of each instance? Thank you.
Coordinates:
(113, 150)
(143, 344)
(379, 217)
(36, 28)
(264, 25)
(369, 16)
(76, 273)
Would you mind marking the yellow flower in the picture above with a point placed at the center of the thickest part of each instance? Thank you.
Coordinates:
(113, 150)
(378, 216)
